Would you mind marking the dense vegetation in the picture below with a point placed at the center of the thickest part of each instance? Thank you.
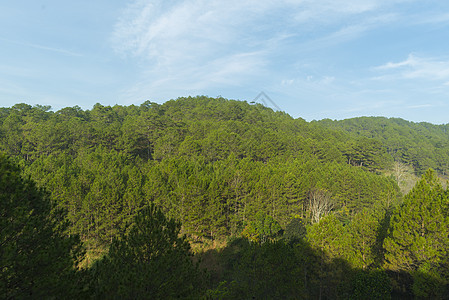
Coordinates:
(274, 207)
(421, 145)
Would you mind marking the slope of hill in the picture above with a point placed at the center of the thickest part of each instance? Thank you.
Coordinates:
(210, 162)
(421, 145)
(302, 210)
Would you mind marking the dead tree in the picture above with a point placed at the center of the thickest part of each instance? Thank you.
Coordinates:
(320, 204)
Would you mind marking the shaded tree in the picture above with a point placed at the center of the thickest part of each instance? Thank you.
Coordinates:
(151, 261)
(37, 259)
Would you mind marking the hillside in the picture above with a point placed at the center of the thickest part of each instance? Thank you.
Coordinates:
(198, 158)
(260, 183)
(420, 145)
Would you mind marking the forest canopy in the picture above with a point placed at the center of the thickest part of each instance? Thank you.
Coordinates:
(258, 182)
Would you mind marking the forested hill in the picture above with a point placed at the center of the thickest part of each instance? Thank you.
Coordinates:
(207, 127)
(211, 163)
(421, 145)
(302, 210)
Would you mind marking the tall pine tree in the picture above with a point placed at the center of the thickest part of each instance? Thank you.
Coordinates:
(418, 239)
(37, 258)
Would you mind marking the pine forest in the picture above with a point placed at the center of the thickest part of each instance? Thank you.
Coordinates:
(210, 198)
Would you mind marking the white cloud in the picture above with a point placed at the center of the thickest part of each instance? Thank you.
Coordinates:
(328, 10)
(410, 61)
(201, 44)
(415, 67)
(317, 82)
(421, 106)
(165, 31)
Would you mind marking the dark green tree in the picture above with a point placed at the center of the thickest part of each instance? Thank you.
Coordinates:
(370, 284)
(264, 271)
(295, 230)
(150, 262)
(37, 259)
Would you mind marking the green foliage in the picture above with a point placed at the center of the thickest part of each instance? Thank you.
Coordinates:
(225, 168)
(263, 229)
(211, 163)
(268, 271)
(363, 232)
(429, 282)
(295, 230)
(421, 145)
(151, 261)
(419, 227)
(329, 235)
(418, 237)
(37, 258)
(373, 284)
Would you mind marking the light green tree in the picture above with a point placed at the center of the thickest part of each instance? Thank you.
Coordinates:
(264, 228)
(328, 235)
(363, 231)
(418, 238)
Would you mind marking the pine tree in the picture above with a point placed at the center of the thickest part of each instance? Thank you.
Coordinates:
(150, 262)
(362, 239)
(37, 259)
(418, 239)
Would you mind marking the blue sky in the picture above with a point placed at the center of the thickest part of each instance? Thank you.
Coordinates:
(314, 58)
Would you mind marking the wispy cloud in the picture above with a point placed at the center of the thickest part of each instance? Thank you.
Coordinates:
(410, 61)
(146, 27)
(416, 67)
(364, 108)
(418, 106)
(42, 47)
(310, 80)
(203, 43)
(429, 18)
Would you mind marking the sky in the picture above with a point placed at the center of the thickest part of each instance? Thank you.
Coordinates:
(314, 59)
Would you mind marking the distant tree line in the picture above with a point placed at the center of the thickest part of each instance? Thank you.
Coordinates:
(420, 145)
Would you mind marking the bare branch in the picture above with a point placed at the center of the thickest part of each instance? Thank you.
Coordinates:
(320, 204)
